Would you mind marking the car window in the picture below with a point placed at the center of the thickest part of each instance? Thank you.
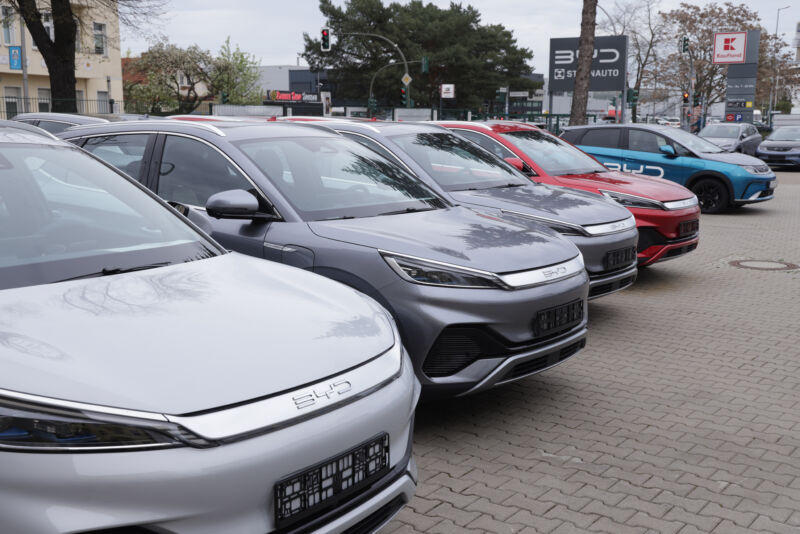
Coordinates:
(191, 171)
(53, 126)
(751, 130)
(572, 135)
(644, 141)
(488, 143)
(556, 157)
(125, 152)
(372, 145)
(602, 137)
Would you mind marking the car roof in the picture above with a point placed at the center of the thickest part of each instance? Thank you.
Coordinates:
(385, 128)
(224, 129)
(63, 117)
(636, 125)
(14, 132)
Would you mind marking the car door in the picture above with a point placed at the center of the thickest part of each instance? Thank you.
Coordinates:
(752, 139)
(605, 144)
(188, 171)
(643, 156)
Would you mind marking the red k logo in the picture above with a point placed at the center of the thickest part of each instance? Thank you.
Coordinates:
(728, 43)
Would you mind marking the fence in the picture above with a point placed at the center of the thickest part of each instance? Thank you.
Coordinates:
(13, 106)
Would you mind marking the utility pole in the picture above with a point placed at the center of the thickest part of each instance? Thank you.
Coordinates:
(23, 56)
(773, 89)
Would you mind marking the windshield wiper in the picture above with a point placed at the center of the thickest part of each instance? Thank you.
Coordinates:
(108, 271)
(406, 210)
(504, 186)
(339, 218)
(580, 173)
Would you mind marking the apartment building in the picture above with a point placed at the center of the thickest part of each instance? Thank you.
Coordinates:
(98, 69)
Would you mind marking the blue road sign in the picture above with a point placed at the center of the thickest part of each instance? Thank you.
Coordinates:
(15, 58)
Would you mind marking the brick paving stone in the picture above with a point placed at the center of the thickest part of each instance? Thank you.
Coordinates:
(681, 415)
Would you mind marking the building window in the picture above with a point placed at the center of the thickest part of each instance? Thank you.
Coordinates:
(100, 39)
(102, 102)
(8, 25)
(13, 101)
(44, 100)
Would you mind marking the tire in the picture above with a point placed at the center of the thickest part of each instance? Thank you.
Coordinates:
(712, 195)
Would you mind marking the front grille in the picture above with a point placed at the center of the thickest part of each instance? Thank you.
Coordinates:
(543, 362)
(610, 287)
(558, 319)
(687, 228)
(778, 148)
(371, 523)
(615, 258)
(328, 483)
(679, 251)
(649, 237)
(457, 347)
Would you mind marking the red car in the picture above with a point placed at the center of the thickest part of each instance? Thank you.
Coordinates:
(667, 214)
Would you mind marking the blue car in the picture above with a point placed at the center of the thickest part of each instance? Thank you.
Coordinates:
(718, 178)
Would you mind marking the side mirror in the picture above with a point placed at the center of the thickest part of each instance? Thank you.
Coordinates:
(232, 204)
(516, 163)
(668, 151)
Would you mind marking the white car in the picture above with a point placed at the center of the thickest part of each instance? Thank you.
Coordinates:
(153, 382)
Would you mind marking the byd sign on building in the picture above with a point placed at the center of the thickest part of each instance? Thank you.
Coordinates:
(730, 47)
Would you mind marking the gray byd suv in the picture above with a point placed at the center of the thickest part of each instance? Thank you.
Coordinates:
(479, 300)
(154, 383)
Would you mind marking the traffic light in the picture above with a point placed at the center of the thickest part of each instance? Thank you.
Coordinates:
(404, 95)
(223, 97)
(686, 97)
(633, 96)
(613, 101)
(698, 99)
(684, 44)
(325, 40)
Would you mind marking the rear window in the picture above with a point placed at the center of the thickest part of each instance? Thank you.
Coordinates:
(602, 137)
(572, 135)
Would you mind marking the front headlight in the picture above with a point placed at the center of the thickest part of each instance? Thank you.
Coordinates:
(26, 427)
(434, 273)
(757, 169)
(632, 201)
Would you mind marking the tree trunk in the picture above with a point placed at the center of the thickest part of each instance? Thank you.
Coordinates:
(58, 54)
(580, 94)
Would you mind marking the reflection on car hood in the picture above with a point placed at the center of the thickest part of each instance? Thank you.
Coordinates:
(721, 141)
(456, 235)
(632, 184)
(187, 337)
(769, 143)
(732, 157)
(543, 201)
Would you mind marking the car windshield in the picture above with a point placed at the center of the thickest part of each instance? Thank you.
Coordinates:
(457, 164)
(335, 178)
(554, 156)
(65, 215)
(691, 141)
(785, 133)
(728, 131)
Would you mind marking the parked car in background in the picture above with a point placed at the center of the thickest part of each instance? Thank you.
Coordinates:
(719, 179)
(153, 382)
(674, 122)
(733, 137)
(472, 176)
(781, 148)
(667, 214)
(56, 122)
(479, 301)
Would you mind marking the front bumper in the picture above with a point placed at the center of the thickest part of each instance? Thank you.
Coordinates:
(779, 159)
(504, 318)
(601, 284)
(660, 236)
(605, 279)
(228, 488)
(758, 191)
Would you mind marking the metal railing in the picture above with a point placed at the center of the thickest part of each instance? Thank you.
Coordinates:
(11, 106)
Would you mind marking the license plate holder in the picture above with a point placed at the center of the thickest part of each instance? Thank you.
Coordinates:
(558, 318)
(305, 492)
(689, 227)
(616, 258)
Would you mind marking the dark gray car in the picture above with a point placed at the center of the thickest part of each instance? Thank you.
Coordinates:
(479, 300)
(733, 137)
(781, 148)
(56, 122)
(469, 175)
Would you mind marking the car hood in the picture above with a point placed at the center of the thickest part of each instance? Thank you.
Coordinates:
(185, 338)
(768, 143)
(456, 235)
(550, 202)
(721, 141)
(732, 157)
(632, 184)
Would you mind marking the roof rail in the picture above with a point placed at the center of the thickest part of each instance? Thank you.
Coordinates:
(164, 122)
(480, 124)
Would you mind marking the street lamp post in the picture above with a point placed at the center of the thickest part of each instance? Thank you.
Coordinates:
(773, 93)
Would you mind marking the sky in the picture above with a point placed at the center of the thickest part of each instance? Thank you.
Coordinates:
(273, 31)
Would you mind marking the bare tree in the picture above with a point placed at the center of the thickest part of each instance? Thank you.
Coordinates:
(68, 15)
(645, 28)
(580, 94)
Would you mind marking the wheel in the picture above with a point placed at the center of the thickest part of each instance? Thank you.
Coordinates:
(712, 195)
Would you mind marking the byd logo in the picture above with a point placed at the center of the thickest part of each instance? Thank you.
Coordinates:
(603, 55)
(314, 396)
(727, 43)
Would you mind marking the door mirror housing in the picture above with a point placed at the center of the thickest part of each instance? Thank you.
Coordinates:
(668, 151)
(516, 163)
(233, 204)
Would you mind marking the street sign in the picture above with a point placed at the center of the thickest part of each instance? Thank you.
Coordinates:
(729, 117)
(730, 47)
(609, 62)
(425, 64)
(447, 90)
(15, 57)
(406, 79)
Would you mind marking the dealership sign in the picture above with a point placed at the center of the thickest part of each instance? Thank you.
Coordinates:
(447, 90)
(290, 96)
(730, 47)
(609, 61)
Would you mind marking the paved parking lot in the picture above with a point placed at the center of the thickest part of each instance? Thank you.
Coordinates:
(681, 416)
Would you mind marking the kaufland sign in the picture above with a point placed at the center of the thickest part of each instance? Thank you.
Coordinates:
(730, 47)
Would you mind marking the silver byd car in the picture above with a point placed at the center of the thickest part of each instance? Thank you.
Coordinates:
(479, 300)
(153, 383)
